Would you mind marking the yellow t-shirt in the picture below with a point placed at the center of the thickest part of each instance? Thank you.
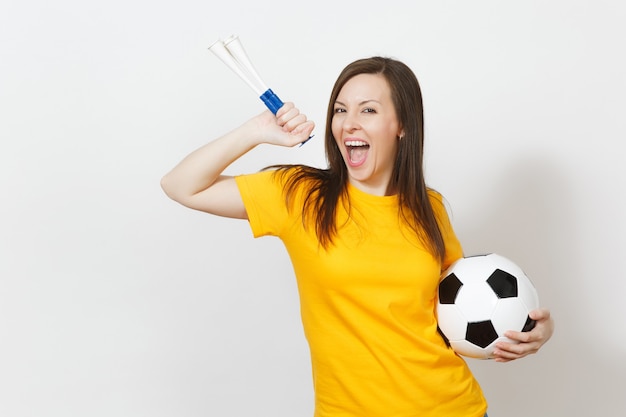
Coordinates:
(368, 307)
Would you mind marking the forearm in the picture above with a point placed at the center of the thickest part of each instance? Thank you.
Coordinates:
(196, 181)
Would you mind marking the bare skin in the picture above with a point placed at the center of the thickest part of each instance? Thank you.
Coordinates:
(197, 181)
(528, 342)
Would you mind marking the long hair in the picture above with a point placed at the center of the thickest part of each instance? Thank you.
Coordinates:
(327, 187)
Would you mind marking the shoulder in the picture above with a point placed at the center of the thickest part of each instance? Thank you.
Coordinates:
(257, 179)
(436, 199)
(441, 207)
(283, 179)
(299, 178)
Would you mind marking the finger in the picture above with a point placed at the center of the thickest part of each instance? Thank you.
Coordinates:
(518, 348)
(303, 131)
(540, 333)
(524, 337)
(294, 122)
(519, 351)
(502, 356)
(539, 314)
(286, 112)
(509, 352)
(288, 120)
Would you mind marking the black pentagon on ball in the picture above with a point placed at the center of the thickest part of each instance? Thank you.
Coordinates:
(529, 325)
(503, 284)
(449, 288)
(481, 333)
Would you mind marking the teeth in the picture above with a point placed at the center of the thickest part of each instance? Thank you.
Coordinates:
(355, 143)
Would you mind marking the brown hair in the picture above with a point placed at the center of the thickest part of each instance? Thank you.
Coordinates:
(326, 187)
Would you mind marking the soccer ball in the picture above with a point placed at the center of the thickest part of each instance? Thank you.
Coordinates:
(481, 297)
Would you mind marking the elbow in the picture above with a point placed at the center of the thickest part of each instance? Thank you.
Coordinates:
(175, 190)
(168, 188)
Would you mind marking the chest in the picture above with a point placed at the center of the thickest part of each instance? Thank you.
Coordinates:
(374, 255)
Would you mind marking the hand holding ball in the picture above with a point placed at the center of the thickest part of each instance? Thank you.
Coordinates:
(480, 298)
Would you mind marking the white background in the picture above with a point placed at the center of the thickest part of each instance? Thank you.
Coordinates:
(115, 301)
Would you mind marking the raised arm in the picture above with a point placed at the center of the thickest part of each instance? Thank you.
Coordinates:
(197, 181)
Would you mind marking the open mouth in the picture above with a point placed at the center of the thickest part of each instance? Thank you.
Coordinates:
(357, 151)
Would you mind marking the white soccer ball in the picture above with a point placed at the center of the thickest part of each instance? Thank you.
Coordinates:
(481, 297)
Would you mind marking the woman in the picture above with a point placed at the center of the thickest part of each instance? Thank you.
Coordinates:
(368, 241)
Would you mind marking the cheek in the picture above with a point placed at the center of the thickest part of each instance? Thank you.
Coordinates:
(391, 147)
(336, 131)
(393, 151)
(334, 127)
(390, 133)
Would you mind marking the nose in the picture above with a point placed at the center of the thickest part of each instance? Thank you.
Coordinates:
(350, 122)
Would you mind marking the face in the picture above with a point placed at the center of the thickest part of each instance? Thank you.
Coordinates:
(366, 129)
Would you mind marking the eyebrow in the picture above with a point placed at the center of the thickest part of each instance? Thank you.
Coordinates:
(360, 103)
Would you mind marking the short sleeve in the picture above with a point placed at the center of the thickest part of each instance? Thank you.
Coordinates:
(454, 250)
(262, 195)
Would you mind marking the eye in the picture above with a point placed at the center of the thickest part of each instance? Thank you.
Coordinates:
(369, 110)
(339, 110)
